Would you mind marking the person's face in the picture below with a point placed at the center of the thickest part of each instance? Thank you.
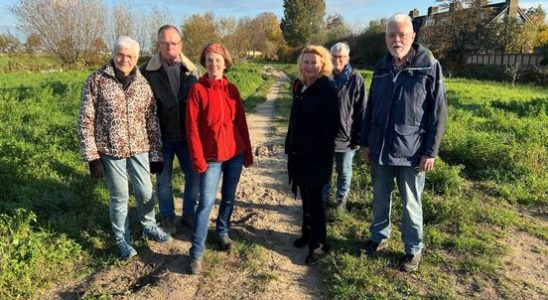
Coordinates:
(339, 62)
(170, 45)
(215, 65)
(125, 60)
(311, 66)
(399, 38)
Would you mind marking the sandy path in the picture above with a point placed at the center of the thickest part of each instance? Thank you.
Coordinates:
(266, 213)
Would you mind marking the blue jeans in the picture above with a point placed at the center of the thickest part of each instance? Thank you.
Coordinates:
(410, 183)
(209, 182)
(118, 174)
(164, 180)
(343, 166)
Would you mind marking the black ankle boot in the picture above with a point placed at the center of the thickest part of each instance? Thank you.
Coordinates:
(301, 242)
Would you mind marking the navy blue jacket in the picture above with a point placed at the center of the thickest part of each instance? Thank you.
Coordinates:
(351, 108)
(406, 112)
(310, 140)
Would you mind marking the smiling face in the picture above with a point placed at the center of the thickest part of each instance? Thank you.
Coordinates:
(339, 61)
(311, 67)
(399, 38)
(125, 60)
(215, 65)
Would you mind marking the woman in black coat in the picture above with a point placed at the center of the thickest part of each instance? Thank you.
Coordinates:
(309, 144)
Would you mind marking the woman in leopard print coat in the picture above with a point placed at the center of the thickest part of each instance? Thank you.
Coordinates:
(120, 139)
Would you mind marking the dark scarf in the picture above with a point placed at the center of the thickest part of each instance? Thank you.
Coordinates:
(125, 80)
(342, 79)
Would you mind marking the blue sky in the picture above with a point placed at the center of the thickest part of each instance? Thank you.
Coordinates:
(357, 13)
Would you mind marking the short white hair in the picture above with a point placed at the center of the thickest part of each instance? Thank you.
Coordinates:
(125, 42)
(399, 18)
(340, 48)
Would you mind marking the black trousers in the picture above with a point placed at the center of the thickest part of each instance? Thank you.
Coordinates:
(314, 228)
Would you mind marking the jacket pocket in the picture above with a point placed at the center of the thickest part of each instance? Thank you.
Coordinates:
(407, 140)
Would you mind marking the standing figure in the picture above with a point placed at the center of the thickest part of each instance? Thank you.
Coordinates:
(404, 122)
(219, 145)
(351, 92)
(120, 138)
(309, 144)
(171, 75)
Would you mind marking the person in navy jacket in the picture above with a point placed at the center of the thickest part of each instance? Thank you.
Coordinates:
(404, 122)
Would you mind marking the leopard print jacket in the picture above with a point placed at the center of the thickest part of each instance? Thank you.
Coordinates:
(115, 122)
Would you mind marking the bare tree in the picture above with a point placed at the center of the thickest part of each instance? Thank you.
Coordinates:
(33, 44)
(123, 21)
(68, 27)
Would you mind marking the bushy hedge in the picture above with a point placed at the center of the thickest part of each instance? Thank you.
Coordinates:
(530, 75)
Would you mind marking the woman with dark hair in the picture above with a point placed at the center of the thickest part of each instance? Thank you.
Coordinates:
(219, 143)
(309, 144)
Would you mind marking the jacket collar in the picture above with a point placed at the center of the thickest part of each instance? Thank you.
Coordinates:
(155, 63)
(421, 58)
(323, 80)
(213, 83)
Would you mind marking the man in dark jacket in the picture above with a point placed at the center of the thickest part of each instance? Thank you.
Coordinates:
(351, 96)
(404, 122)
(171, 75)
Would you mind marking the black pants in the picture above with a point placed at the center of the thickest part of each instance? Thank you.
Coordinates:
(313, 216)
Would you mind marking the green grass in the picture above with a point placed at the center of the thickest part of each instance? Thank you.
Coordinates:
(492, 168)
(54, 223)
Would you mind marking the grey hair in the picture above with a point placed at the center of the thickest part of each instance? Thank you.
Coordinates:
(340, 47)
(399, 18)
(166, 27)
(125, 42)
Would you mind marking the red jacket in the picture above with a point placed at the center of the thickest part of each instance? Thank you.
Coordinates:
(215, 123)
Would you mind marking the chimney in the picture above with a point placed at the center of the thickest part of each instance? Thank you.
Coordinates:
(453, 6)
(512, 8)
(414, 13)
(432, 10)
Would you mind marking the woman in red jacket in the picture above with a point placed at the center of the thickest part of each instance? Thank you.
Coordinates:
(218, 140)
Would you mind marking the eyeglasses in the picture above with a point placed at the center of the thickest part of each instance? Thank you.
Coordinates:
(172, 44)
(401, 35)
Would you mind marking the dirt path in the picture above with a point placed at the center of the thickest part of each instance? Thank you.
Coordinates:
(266, 214)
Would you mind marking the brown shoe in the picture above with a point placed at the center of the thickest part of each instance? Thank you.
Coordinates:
(318, 253)
(196, 266)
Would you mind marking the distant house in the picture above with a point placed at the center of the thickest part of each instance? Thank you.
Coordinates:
(492, 14)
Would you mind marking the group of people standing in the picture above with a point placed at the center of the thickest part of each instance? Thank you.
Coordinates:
(134, 121)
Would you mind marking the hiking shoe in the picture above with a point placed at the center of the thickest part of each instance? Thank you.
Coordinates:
(340, 205)
(410, 262)
(318, 253)
(371, 247)
(225, 243)
(196, 266)
(300, 242)
(187, 220)
(156, 233)
(168, 225)
(126, 251)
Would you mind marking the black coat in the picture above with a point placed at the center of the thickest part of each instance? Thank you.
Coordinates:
(171, 108)
(310, 140)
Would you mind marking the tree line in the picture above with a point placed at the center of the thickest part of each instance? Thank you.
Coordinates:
(82, 30)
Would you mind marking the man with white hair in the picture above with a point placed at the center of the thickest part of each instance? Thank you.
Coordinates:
(120, 139)
(351, 95)
(404, 122)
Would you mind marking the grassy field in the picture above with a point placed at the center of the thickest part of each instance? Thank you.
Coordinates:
(53, 222)
(488, 190)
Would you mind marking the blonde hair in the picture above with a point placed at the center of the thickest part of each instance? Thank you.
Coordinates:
(325, 60)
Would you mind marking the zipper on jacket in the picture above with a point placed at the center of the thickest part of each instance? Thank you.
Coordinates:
(127, 124)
